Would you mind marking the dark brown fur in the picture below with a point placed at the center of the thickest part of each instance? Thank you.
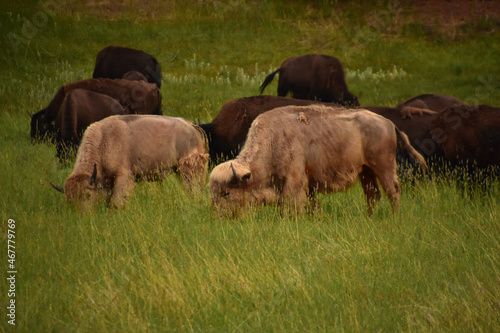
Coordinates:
(416, 127)
(414, 117)
(469, 134)
(79, 109)
(114, 61)
(313, 77)
(136, 97)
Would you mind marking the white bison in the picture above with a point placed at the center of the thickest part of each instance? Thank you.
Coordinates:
(293, 152)
(118, 150)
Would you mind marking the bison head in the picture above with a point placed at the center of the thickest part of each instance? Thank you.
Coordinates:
(233, 189)
(40, 127)
(82, 190)
(348, 100)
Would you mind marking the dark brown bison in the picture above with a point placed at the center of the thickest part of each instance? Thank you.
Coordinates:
(432, 102)
(79, 109)
(136, 97)
(113, 62)
(228, 130)
(469, 135)
(414, 123)
(414, 117)
(294, 152)
(313, 77)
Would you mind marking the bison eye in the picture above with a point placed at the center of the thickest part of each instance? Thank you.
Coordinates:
(225, 194)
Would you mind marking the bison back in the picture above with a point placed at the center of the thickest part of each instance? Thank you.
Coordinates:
(329, 145)
(114, 61)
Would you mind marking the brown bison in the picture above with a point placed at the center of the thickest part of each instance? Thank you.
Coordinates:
(414, 122)
(118, 150)
(469, 135)
(293, 152)
(113, 62)
(228, 130)
(414, 117)
(314, 77)
(432, 102)
(136, 97)
(79, 109)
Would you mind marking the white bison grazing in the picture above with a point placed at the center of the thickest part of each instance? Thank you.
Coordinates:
(293, 152)
(118, 150)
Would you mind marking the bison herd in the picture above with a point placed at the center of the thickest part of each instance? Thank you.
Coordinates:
(266, 149)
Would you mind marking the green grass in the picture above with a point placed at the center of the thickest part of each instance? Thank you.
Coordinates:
(166, 262)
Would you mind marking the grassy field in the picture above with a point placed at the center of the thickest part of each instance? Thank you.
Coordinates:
(166, 262)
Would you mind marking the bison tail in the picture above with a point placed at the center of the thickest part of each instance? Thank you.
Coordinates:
(411, 151)
(268, 80)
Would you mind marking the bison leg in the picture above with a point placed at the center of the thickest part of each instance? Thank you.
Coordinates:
(293, 204)
(370, 187)
(282, 88)
(293, 197)
(124, 184)
(314, 204)
(392, 188)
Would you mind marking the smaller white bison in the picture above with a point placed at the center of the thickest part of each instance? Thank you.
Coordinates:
(118, 150)
(293, 152)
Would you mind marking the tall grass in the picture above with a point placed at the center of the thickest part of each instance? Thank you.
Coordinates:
(167, 262)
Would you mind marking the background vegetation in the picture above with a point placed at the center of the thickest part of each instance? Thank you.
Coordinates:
(167, 262)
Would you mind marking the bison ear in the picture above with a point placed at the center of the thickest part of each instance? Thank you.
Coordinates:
(92, 179)
(236, 178)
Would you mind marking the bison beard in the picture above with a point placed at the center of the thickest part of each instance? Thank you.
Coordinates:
(293, 152)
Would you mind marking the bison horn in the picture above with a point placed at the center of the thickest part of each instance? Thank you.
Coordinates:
(234, 171)
(92, 179)
(57, 187)
(235, 178)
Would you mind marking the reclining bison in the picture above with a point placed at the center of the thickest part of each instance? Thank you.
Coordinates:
(294, 152)
(136, 97)
(118, 150)
(113, 62)
(228, 130)
(313, 77)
